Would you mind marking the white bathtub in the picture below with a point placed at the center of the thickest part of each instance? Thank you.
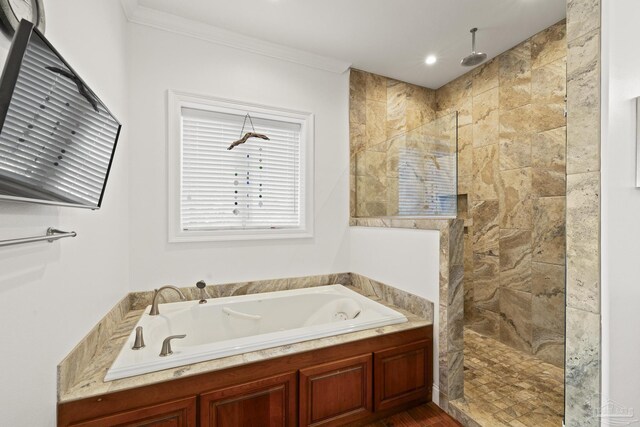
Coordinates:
(234, 325)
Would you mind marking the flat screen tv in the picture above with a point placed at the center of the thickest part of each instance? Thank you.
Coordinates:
(57, 139)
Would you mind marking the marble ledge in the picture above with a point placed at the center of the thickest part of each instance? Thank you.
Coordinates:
(436, 223)
(81, 373)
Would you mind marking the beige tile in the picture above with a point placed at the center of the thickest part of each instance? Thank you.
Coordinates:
(393, 198)
(376, 87)
(485, 77)
(583, 241)
(465, 150)
(486, 322)
(549, 45)
(357, 83)
(486, 118)
(515, 199)
(548, 149)
(515, 138)
(547, 182)
(396, 108)
(583, 104)
(376, 120)
(486, 172)
(515, 259)
(449, 95)
(549, 160)
(485, 282)
(515, 77)
(357, 137)
(375, 164)
(421, 105)
(549, 230)
(548, 346)
(515, 310)
(486, 232)
(548, 90)
(548, 296)
(465, 184)
(583, 16)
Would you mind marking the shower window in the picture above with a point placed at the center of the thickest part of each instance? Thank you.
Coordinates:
(258, 189)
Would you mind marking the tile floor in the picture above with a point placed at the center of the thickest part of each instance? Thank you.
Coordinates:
(505, 387)
(421, 416)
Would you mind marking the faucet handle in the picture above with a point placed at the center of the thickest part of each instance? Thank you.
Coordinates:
(166, 344)
(203, 295)
(139, 343)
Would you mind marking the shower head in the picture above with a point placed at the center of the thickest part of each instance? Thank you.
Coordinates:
(474, 58)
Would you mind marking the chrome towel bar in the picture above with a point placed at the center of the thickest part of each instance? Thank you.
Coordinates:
(52, 235)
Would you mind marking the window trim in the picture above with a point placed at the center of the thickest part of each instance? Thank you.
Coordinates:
(175, 101)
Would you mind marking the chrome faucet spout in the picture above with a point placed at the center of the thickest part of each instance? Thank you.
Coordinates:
(154, 304)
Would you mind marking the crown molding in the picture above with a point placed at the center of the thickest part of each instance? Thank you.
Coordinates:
(141, 15)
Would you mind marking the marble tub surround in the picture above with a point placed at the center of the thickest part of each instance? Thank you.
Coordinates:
(511, 175)
(81, 373)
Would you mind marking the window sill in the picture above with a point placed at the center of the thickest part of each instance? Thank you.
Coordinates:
(238, 235)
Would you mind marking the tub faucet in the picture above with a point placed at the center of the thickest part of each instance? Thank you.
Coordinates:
(203, 294)
(154, 305)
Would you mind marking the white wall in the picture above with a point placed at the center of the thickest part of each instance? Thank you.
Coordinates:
(620, 205)
(405, 259)
(52, 294)
(161, 60)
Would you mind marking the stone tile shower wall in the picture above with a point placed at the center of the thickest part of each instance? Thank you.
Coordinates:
(511, 185)
(382, 114)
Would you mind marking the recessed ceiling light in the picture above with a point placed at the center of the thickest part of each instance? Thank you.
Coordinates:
(431, 59)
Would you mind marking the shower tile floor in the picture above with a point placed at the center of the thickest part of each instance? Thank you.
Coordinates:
(505, 387)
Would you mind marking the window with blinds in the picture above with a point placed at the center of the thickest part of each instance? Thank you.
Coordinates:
(257, 185)
(426, 183)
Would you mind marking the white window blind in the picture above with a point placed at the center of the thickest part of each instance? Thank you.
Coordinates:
(53, 143)
(426, 183)
(256, 185)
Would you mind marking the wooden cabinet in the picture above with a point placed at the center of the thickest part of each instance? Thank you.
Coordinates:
(179, 413)
(335, 393)
(403, 374)
(351, 383)
(269, 402)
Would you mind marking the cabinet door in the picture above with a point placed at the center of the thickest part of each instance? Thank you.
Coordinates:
(403, 374)
(270, 402)
(336, 393)
(179, 413)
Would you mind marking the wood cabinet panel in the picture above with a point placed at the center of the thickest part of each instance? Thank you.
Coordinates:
(269, 402)
(179, 413)
(335, 393)
(403, 374)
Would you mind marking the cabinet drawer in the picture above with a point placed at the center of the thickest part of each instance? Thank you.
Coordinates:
(179, 413)
(336, 393)
(269, 402)
(402, 375)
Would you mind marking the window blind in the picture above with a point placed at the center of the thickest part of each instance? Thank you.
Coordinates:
(426, 182)
(53, 143)
(257, 185)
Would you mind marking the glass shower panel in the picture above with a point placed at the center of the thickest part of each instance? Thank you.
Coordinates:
(410, 175)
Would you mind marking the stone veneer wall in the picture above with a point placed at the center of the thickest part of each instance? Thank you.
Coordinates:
(511, 185)
(583, 349)
(382, 112)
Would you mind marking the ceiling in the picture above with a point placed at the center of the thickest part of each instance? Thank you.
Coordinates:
(387, 37)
